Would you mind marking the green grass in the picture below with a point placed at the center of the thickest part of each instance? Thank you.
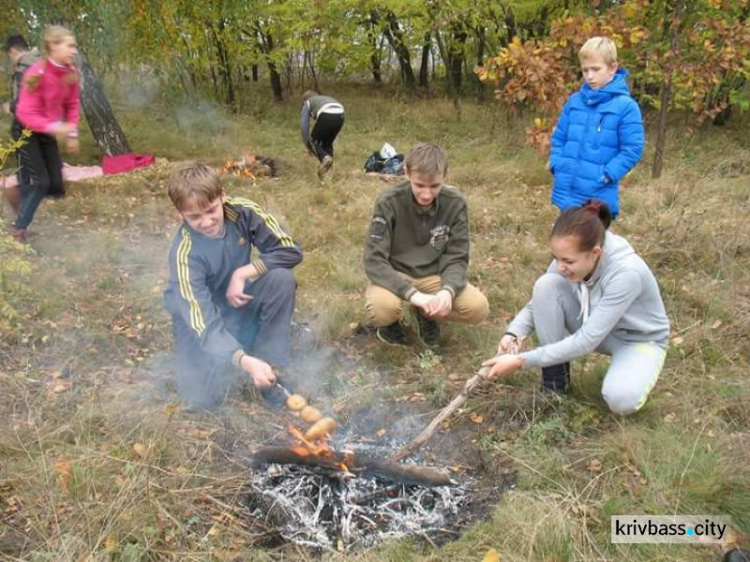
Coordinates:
(98, 461)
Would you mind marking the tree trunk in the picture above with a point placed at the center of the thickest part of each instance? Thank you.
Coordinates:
(101, 119)
(665, 94)
(424, 67)
(455, 62)
(254, 70)
(224, 65)
(310, 65)
(375, 52)
(266, 44)
(396, 39)
(481, 44)
(275, 79)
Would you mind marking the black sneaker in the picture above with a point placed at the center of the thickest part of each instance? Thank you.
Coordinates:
(556, 378)
(428, 331)
(392, 335)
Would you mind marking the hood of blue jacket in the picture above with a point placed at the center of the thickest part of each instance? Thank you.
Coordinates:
(618, 86)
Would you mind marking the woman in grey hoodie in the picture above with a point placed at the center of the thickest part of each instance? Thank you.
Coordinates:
(597, 295)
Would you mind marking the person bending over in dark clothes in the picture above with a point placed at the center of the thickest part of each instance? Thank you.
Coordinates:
(329, 118)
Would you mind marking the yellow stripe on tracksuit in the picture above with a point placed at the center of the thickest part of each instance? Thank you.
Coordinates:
(270, 221)
(186, 289)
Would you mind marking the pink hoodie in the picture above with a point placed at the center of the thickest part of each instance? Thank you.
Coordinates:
(52, 102)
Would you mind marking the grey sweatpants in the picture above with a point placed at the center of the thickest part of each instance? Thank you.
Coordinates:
(635, 366)
(263, 328)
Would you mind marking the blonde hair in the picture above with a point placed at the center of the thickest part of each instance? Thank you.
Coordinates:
(193, 182)
(54, 34)
(601, 46)
(427, 159)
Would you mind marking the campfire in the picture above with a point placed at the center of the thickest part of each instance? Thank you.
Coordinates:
(318, 453)
(329, 492)
(325, 499)
(251, 166)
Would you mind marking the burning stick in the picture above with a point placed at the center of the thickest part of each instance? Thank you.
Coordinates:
(410, 474)
(423, 437)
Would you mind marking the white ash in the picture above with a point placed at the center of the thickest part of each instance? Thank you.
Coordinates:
(327, 510)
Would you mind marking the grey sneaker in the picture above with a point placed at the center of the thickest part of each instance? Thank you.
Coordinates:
(325, 166)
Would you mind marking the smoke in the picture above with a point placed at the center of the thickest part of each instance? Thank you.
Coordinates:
(137, 88)
(201, 119)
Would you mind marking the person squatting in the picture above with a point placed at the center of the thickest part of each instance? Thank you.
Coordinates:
(231, 291)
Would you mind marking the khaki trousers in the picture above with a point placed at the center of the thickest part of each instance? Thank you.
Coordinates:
(384, 308)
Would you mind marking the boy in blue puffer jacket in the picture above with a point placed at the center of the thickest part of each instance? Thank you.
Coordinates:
(599, 135)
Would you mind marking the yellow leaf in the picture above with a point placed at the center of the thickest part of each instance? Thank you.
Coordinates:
(61, 387)
(491, 556)
(140, 449)
(64, 470)
(201, 434)
(476, 418)
(110, 543)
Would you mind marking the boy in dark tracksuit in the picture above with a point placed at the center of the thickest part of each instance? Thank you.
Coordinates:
(22, 58)
(231, 290)
(329, 118)
(417, 250)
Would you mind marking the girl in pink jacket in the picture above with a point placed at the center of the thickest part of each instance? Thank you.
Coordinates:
(48, 105)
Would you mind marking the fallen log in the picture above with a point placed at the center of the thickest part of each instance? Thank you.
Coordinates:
(423, 437)
(404, 473)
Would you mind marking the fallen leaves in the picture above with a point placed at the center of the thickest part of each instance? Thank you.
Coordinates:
(64, 470)
(140, 449)
(491, 556)
(202, 434)
(476, 418)
(61, 387)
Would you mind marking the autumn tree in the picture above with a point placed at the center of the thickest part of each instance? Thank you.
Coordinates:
(682, 55)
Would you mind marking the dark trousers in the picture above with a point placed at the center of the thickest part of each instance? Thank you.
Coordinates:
(22, 175)
(263, 328)
(327, 126)
(40, 159)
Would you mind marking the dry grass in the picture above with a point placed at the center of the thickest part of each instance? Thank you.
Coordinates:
(98, 462)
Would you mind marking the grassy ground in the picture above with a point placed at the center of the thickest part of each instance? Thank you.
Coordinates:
(99, 462)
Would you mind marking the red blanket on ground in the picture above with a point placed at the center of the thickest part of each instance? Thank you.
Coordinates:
(126, 162)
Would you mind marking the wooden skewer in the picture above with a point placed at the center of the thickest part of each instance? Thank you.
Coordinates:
(423, 437)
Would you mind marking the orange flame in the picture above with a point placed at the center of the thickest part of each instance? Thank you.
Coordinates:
(319, 448)
(249, 165)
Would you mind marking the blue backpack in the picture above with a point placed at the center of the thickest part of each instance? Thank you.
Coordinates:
(392, 166)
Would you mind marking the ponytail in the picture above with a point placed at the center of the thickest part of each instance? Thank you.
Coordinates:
(588, 223)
